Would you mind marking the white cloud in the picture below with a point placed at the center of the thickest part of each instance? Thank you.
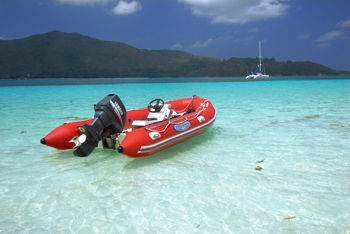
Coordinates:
(3, 38)
(202, 44)
(123, 7)
(329, 36)
(323, 45)
(177, 46)
(222, 39)
(340, 32)
(303, 36)
(237, 11)
(126, 8)
(253, 30)
(83, 2)
(344, 24)
(246, 39)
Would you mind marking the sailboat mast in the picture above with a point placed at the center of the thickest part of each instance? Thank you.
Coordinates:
(260, 57)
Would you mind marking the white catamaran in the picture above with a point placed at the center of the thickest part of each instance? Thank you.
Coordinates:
(259, 73)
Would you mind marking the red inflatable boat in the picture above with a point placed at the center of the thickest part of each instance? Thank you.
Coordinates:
(135, 133)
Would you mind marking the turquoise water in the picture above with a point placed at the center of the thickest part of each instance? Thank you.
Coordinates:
(208, 184)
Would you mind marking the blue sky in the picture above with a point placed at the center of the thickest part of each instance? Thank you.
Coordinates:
(297, 30)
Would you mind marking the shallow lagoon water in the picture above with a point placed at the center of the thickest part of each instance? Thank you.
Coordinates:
(298, 132)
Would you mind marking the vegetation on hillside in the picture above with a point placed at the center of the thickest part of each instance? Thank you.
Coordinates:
(57, 54)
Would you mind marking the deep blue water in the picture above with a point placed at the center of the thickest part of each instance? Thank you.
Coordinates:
(77, 81)
(297, 131)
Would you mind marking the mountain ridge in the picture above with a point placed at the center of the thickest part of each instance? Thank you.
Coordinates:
(58, 54)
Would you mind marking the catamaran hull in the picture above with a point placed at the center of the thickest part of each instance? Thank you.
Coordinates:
(257, 76)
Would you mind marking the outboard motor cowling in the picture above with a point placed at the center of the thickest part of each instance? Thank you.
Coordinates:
(110, 116)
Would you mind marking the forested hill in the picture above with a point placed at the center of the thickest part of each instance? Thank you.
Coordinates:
(58, 54)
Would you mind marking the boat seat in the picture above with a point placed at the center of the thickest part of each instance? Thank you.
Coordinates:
(165, 113)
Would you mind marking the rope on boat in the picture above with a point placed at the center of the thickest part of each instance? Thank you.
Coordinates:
(189, 104)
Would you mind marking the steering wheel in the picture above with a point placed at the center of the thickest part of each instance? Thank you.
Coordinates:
(155, 105)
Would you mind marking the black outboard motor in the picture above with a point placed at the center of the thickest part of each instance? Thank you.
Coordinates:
(110, 116)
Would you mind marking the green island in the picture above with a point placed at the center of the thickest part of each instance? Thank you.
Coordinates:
(71, 55)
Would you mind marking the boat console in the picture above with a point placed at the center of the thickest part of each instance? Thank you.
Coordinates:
(158, 111)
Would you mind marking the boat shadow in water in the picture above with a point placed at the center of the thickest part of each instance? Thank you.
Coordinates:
(66, 157)
(177, 150)
(100, 155)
